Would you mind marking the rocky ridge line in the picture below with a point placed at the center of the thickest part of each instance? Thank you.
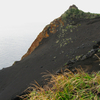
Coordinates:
(72, 13)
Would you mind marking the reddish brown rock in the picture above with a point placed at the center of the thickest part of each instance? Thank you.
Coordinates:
(44, 34)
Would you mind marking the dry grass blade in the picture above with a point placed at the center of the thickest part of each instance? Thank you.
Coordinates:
(77, 86)
(97, 56)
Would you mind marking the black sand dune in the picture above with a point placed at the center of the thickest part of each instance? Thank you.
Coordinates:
(52, 53)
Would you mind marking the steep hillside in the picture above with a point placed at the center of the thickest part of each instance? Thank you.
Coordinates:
(51, 28)
(68, 20)
(74, 35)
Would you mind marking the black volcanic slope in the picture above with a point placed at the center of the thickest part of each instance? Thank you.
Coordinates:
(78, 35)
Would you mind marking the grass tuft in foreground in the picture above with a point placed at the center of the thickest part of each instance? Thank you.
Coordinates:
(69, 86)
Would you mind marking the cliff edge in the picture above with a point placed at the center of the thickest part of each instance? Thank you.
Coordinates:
(52, 28)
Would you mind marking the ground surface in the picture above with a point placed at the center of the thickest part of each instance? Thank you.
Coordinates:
(52, 53)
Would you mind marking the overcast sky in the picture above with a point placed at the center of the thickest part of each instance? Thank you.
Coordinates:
(28, 15)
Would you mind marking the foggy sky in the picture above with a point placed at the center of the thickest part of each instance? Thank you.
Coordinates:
(34, 15)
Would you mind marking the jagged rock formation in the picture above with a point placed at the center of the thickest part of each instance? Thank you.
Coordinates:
(93, 53)
(73, 6)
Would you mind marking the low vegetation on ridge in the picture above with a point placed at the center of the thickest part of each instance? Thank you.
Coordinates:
(74, 12)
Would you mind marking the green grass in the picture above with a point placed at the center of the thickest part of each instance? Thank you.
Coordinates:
(69, 86)
(78, 14)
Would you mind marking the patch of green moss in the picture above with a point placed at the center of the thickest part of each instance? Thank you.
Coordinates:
(78, 14)
(65, 41)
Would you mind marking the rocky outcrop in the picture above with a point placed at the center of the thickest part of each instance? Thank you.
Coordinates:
(93, 53)
(51, 28)
(73, 6)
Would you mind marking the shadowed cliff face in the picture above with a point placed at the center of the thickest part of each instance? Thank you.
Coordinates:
(51, 28)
